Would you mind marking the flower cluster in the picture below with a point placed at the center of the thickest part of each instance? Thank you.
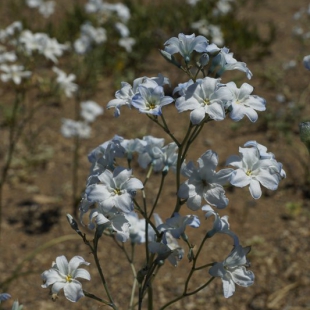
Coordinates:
(111, 197)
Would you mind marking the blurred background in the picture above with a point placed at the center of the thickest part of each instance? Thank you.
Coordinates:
(44, 166)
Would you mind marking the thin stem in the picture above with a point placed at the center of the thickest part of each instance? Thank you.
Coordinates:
(92, 296)
(95, 253)
(158, 194)
(179, 165)
(148, 175)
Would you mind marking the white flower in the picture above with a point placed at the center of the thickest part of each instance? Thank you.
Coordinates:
(117, 189)
(102, 157)
(137, 228)
(46, 8)
(66, 82)
(205, 183)
(10, 30)
(204, 97)
(233, 270)
(265, 155)
(185, 45)
(151, 153)
(225, 61)
(42, 43)
(7, 56)
(71, 128)
(220, 224)
(133, 145)
(93, 6)
(170, 251)
(13, 72)
(111, 221)
(150, 98)
(90, 110)
(176, 225)
(127, 92)
(253, 170)
(122, 29)
(242, 103)
(51, 49)
(127, 43)
(63, 275)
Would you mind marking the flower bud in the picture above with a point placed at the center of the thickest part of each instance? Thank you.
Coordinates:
(204, 59)
(170, 58)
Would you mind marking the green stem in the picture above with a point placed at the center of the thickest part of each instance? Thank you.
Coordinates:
(95, 253)
(158, 194)
(92, 296)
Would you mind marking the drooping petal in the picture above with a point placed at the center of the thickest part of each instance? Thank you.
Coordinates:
(243, 277)
(228, 287)
(255, 189)
(73, 291)
(197, 115)
(57, 286)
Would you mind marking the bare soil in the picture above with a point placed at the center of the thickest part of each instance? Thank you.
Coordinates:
(38, 196)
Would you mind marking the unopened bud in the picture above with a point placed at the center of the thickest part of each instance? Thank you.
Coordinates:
(170, 58)
(204, 59)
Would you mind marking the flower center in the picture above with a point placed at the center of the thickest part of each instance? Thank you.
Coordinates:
(69, 278)
(151, 105)
(117, 191)
(206, 101)
(249, 172)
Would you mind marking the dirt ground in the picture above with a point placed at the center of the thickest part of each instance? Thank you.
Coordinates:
(37, 198)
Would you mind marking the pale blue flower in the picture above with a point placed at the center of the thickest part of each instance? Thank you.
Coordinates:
(133, 145)
(151, 99)
(63, 275)
(103, 156)
(127, 92)
(110, 221)
(253, 170)
(242, 103)
(205, 97)
(152, 153)
(71, 128)
(233, 270)
(205, 183)
(220, 224)
(116, 189)
(137, 228)
(176, 225)
(185, 45)
(90, 110)
(225, 61)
